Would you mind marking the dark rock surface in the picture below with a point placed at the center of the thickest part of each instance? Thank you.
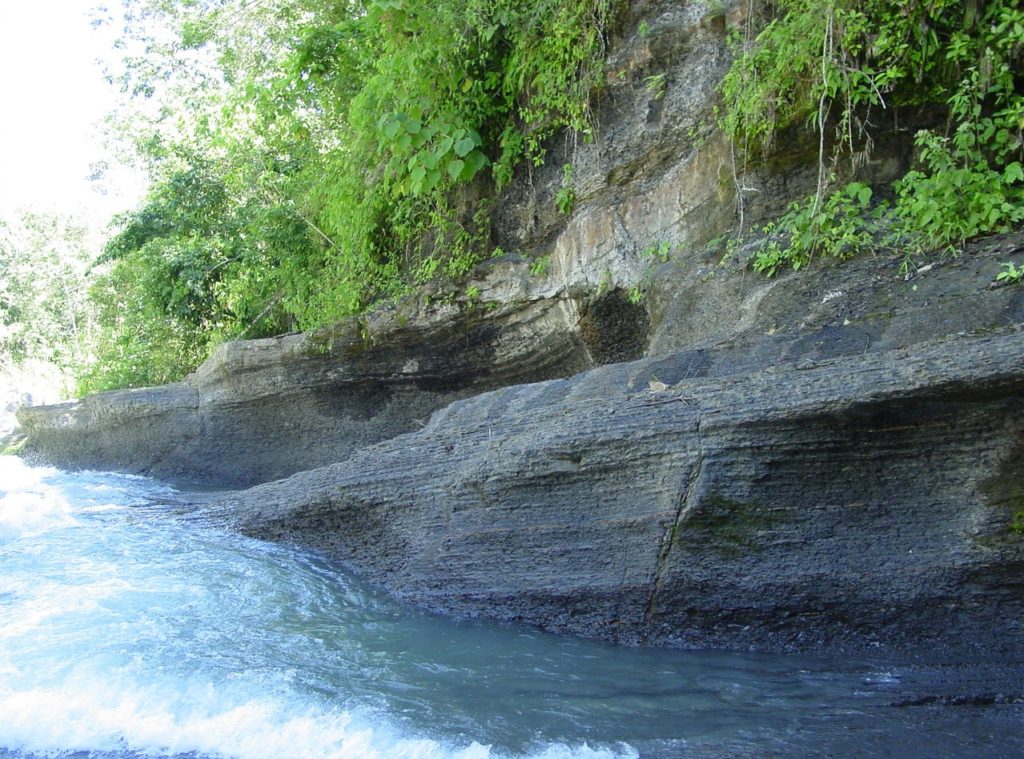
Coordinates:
(263, 409)
(847, 504)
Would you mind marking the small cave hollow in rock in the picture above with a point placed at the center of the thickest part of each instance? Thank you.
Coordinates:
(614, 328)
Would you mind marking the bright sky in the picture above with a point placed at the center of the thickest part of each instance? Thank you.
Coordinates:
(52, 100)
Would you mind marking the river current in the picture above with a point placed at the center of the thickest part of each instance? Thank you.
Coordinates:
(128, 631)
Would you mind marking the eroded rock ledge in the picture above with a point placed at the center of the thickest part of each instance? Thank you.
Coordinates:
(830, 460)
(856, 502)
(263, 409)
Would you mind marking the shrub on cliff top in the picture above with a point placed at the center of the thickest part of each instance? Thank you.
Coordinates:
(835, 64)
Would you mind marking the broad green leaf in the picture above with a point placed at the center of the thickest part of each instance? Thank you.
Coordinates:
(455, 168)
(444, 146)
(474, 162)
(463, 146)
(429, 160)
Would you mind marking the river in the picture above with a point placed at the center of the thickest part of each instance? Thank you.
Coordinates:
(128, 631)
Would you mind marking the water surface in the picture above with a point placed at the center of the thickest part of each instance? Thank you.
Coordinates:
(126, 631)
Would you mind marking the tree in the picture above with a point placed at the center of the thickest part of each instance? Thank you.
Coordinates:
(307, 155)
(45, 314)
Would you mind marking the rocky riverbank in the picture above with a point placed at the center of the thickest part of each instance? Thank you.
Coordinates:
(616, 429)
(837, 467)
(848, 503)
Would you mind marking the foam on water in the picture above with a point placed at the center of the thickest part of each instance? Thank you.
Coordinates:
(113, 714)
(38, 499)
(30, 507)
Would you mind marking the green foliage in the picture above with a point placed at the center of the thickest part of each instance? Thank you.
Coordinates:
(849, 54)
(454, 89)
(661, 251)
(838, 228)
(1010, 274)
(1017, 522)
(44, 311)
(310, 157)
(655, 86)
(424, 156)
(540, 266)
(958, 194)
(137, 345)
(199, 262)
(831, 63)
(771, 257)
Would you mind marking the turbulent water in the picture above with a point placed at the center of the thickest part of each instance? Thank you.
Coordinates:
(126, 631)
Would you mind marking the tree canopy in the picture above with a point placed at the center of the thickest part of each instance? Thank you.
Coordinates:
(45, 313)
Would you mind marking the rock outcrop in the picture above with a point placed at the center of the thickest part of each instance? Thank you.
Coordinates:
(615, 428)
(842, 504)
(263, 409)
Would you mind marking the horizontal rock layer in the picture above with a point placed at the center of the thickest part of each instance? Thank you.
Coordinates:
(263, 409)
(856, 502)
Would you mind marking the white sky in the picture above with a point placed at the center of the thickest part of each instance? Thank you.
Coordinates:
(52, 100)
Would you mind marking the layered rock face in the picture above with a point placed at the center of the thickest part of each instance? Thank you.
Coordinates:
(264, 409)
(846, 504)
